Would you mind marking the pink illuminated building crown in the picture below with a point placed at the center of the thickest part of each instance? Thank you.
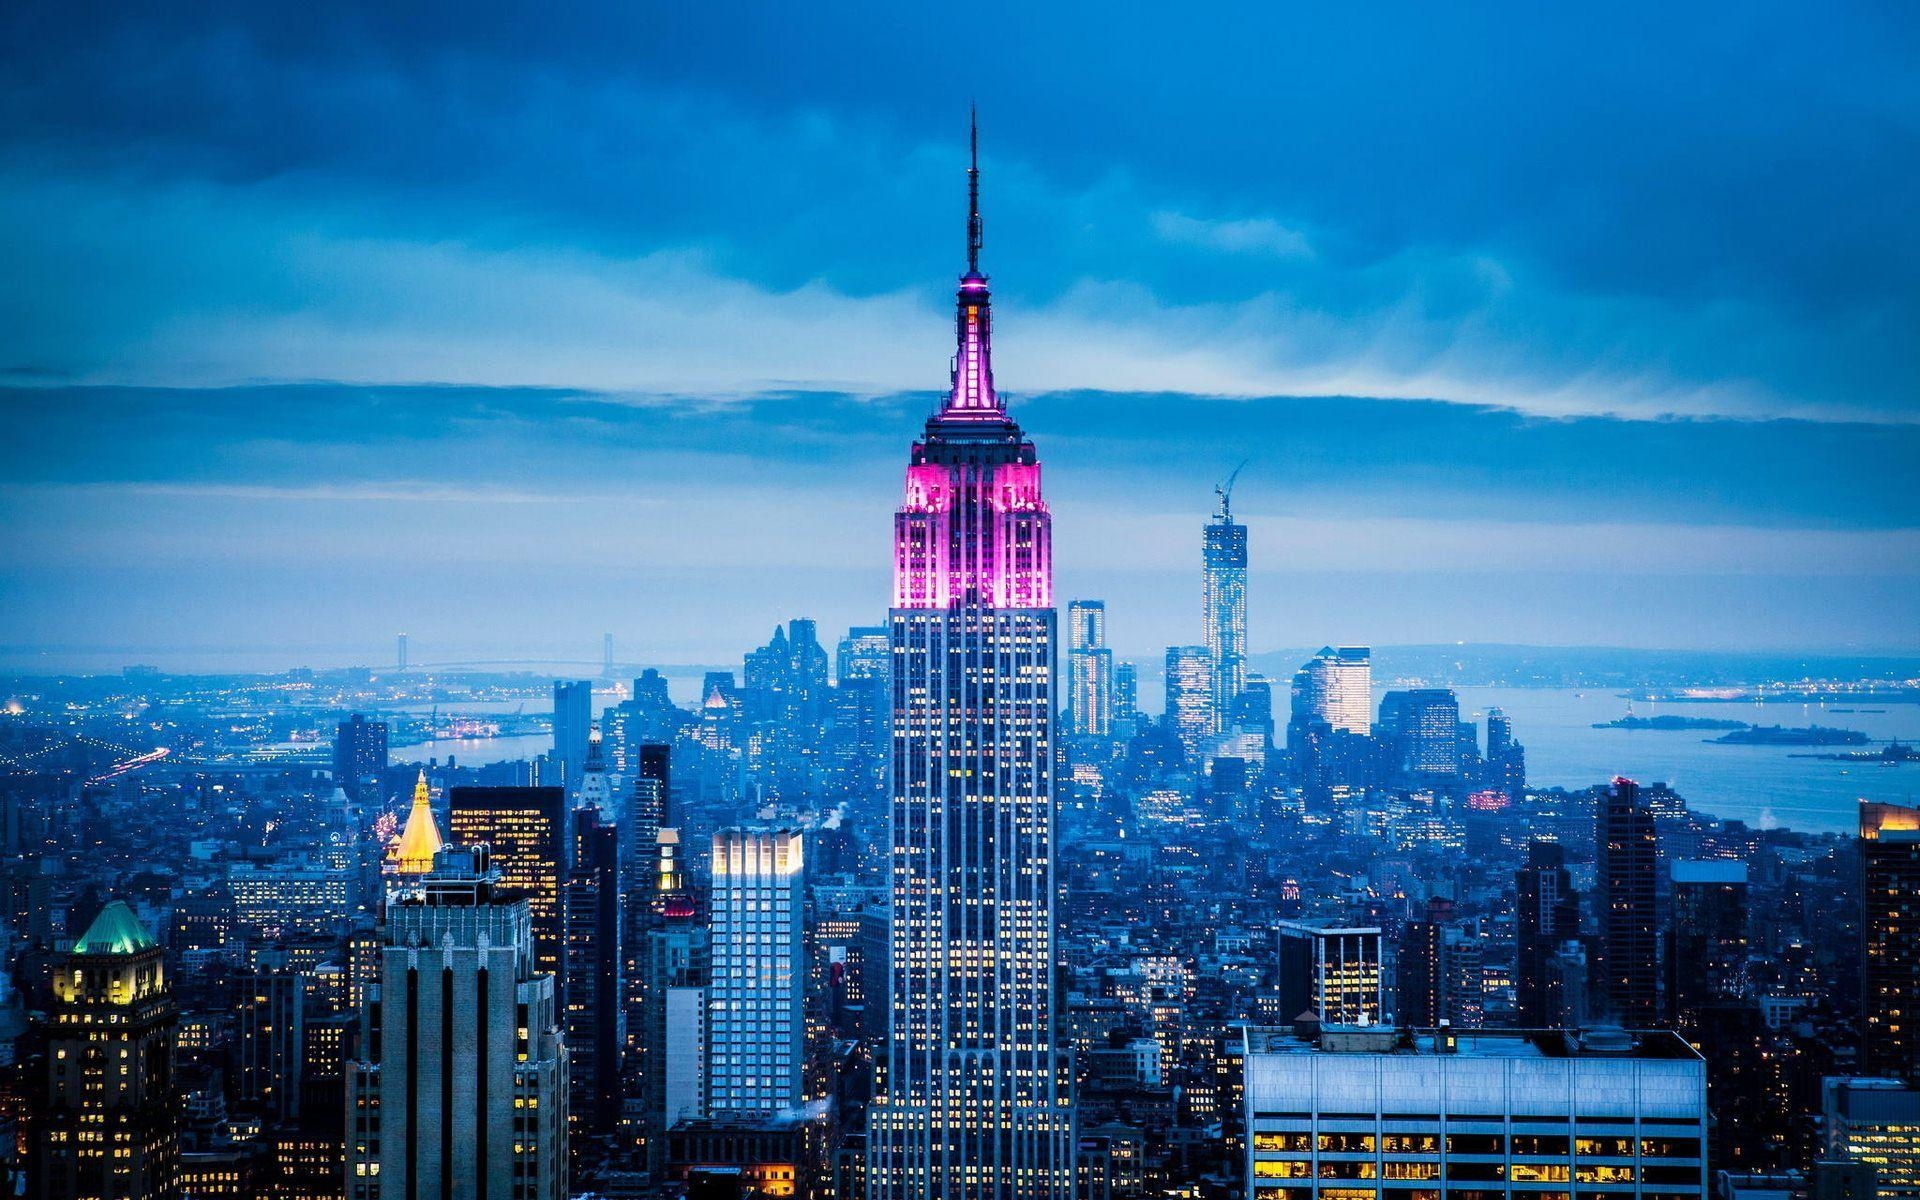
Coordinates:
(974, 529)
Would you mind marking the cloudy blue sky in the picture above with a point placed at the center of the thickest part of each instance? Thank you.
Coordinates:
(507, 328)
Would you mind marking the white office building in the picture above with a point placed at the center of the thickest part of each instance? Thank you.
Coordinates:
(1384, 1114)
(756, 1025)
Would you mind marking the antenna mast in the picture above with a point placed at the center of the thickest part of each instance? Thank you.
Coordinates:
(973, 191)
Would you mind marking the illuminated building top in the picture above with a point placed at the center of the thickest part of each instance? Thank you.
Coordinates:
(115, 931)
(974, 529)
(1877, 820)
(420, 841)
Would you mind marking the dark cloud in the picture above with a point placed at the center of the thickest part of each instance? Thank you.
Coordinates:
(1148, 452)
(1717, 197)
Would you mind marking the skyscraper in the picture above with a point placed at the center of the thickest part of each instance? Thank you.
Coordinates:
(1089, 670)
(596, 790)
(1627, 876)
(1506, 770)
(525, 832)
(1332, 971)
(595, 1016)
(1890, 974)
(572, 719)
(756, 1031)
(865, 653)
(104, 1124)
(649, 805)
(1223, 603)
(1336, 686)
(473, 1071)
(673, 1026)
(1547, 915)
(1126, 692)
(359, 757)
(1421, 730)
(1189, 698)
(269, 1036)
(972, 1098)
(1707, 938)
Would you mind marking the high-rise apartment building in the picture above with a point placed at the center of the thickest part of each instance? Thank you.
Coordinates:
(757, 1022)
(1126, 693)
(104, 1110)
(1439, 972)
(865, 653)
(1336, 686)
(648, 812)
(595, 1014)
(525, 832)
(1876, 1123)
(1223, 604)
(1627, 880)
(1189, 698)
(1474, 1115)
(1890, 972)
(572, 721)
(1333, 971)
(473, 1067)
(1421, 729)
(673, 1027)
(596, 786)
(1089, 670)
(1706, 938)
(1546, 918)
(360, 757)
(972, 1099)
(1506, 770)
(270, 1029)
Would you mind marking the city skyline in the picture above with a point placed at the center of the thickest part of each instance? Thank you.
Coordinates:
(531, 740)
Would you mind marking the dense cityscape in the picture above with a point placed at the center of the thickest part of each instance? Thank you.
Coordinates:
(933, 907)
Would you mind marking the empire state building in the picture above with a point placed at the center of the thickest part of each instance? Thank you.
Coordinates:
(973, 1096)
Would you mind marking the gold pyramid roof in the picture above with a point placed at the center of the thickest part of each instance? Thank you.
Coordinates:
(413, 853)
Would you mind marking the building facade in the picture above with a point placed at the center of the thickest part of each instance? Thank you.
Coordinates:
(757, 1025)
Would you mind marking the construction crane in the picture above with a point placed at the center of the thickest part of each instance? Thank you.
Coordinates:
(1225, 492)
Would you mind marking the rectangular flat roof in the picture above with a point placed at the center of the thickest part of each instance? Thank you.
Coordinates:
(1604, 1043)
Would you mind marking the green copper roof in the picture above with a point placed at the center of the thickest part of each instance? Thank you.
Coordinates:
(115, 931)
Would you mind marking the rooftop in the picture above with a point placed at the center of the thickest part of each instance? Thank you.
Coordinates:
(1597, 1042)
(1714, 870)
(115, 931)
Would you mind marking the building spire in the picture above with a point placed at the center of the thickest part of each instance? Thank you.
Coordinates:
(413, 853)
(974, 232)
(973, 395)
